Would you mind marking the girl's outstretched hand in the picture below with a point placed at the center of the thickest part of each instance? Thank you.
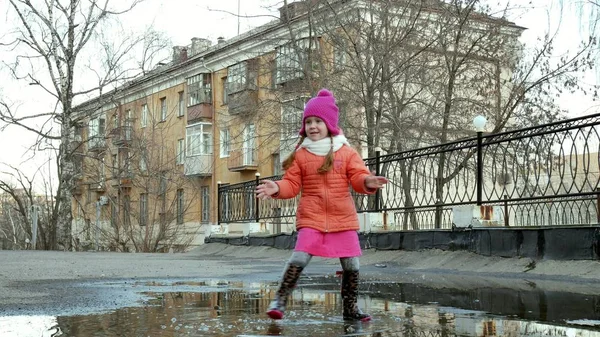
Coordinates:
(375, 182)
(266, 189)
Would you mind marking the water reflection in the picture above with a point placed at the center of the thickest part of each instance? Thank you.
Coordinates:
(235, 309)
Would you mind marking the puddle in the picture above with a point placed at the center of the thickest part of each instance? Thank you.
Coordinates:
(218, 308)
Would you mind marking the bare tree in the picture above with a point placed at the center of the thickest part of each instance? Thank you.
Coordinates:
(81, 56)
(17, 199)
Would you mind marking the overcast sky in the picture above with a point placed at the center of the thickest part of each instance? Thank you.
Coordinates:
(183, 19)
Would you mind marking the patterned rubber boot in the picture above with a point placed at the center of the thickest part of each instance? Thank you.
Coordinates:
(290, 277)
(350, 297)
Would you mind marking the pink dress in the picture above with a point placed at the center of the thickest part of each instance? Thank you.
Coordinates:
(336, 244)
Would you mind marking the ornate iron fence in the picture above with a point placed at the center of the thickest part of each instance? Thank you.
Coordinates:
(538, 176)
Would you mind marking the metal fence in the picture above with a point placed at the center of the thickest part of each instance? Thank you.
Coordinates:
(538, 176)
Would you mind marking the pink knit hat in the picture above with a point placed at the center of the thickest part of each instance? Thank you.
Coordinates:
(324, 107)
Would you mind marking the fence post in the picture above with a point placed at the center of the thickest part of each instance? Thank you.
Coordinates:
(377, 173)
(256, 199)
(218, 202)
(506, 215)
(598, 204)
(479, 168)
(479, 123)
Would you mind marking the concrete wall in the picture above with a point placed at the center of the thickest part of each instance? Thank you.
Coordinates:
(551, 243)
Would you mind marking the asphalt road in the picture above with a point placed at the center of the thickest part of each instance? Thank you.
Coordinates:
(75, 283)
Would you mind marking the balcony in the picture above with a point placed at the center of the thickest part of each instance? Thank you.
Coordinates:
(122, 135)
(99, 186)
(242, 102)
(200, 165)
(200, 106)
(122, 179)
(96, 144)
(245, 159)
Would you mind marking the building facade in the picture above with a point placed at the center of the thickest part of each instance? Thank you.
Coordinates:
(154, 151)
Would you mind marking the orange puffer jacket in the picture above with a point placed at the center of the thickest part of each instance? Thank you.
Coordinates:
(326, 203)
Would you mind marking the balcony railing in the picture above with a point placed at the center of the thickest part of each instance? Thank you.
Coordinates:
(243, 159)
(122, 179)
(122, 135)
(98, 186)
(199, 165)
(242, 102)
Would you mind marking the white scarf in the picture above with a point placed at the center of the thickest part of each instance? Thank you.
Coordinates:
(322, 147)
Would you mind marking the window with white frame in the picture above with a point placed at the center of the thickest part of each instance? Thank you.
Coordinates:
(291, 59)
(181, 105)
(199, 140)
(180, 206)
(199, 89)
(237, 77)
(225, 143)
(144, 117)
(180, 151)
(205, 195)
(291, 117)
(143, 164)
(96, 131)
(163, 109)
(143, 160)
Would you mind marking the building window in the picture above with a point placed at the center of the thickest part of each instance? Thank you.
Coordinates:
(163, 109)
(339, 55)
(290, 60)
(116, 121)
(276, 164)
(126, 211)
(199, 140)
(181, 105)
(126, 164)
(225, 92)
(225, 144)
(180, 151)
(199, 90)
(143, 161)
(249, 151)
(237, 77)
(205, 195)
(115, 165)
(144, 118)
(101, 173)
(291, 117)
(180, 206)
(96, 132)
(143, 209)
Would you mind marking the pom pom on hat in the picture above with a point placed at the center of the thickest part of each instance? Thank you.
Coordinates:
(324, 107)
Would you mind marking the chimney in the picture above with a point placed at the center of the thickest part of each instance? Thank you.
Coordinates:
(296, 9)
(199, 45)
(180, 54)
(220, 40)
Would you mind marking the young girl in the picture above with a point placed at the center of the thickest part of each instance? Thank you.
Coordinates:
(322, 168)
